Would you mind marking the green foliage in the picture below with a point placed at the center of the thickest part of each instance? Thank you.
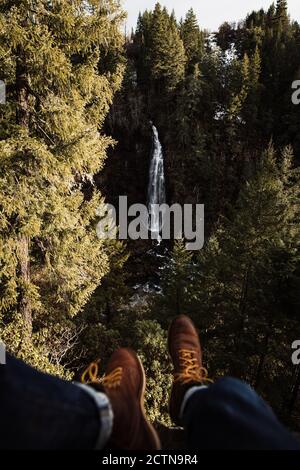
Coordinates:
(151, 345)
(161, 47)
(239, 287)
(37, 350)
(282, 11)
(51, 260)
(232, 99)
(193, 39)
(217, 102)
(133, 327)
(176, 280)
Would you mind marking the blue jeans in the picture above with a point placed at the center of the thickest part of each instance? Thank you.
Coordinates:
(38, 411)
(230, 415)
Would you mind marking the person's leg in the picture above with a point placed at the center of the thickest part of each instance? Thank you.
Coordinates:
(225, 415)
(230, 415)
(38, 411)
(124, 383)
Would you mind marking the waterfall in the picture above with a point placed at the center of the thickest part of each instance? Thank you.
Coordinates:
(156, 187)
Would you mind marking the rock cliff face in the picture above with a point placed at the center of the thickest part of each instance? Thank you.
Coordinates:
(126, 173)
(127, 167)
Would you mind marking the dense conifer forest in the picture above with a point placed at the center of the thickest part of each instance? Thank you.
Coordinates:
(75, 134)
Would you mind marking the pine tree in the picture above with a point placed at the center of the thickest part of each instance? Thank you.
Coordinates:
(244, 103)
(282, 10)
(246, 267)
(250, 107)
(113, 291)
(50, 258)
(176, 279)
(142, 40)
(281, 23)
(167, 51)
(193, 39)
(255, 68)
(188, 111)
(173, 20)
(238, 99)
(271, 14)
(161, 52)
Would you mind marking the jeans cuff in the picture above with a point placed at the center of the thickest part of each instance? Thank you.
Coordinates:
(187, 397)
(105, 415)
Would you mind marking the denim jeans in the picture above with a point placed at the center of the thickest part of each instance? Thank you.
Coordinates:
(38, 411)
(230, 415)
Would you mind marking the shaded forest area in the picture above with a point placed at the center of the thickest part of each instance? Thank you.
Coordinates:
(231, 139)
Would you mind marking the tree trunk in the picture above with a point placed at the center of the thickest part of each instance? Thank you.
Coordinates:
(22, 119)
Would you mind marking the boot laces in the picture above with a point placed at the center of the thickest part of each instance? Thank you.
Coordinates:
(91, 376)
(113, 379)
(191, 370)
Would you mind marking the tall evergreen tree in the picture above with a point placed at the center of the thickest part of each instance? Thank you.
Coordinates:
(176, 279)
(282, 10)
(193, 39)
(167, 50)
(238, 99)
(246, 267)
(51, 146)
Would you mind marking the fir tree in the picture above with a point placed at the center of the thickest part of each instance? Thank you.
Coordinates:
(176, 279)
(51, 259)
(282, 10)
(167, 50)
(193, 39)
(255, 68)
(243, 271)
(239, 98)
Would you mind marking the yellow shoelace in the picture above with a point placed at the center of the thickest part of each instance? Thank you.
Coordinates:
(191, 371)
(112, 380)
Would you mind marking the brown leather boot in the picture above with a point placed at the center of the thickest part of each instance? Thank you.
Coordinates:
(185, 351)
(124, 383)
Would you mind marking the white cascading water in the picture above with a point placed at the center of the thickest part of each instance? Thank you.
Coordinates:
(156, 187)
